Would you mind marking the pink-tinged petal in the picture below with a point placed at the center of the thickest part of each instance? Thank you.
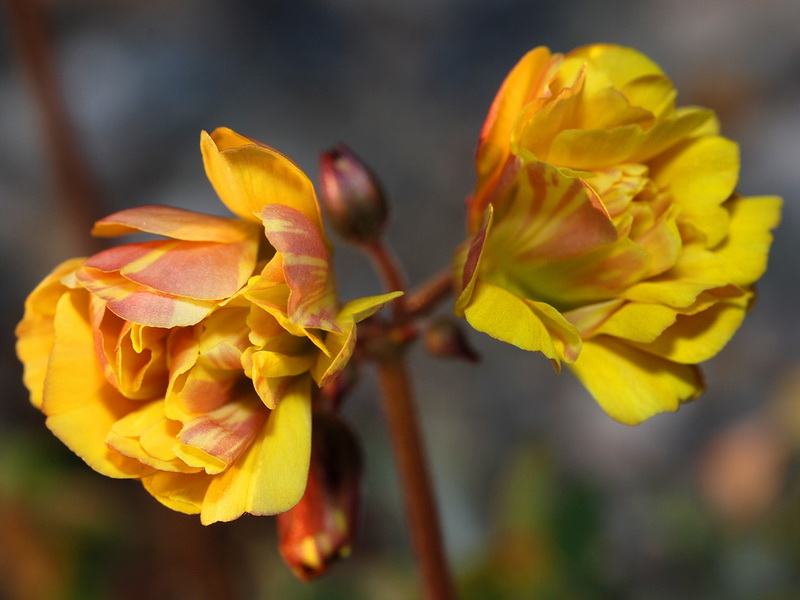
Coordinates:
(214, 441)
(270, 477)
(197, 270)
(140, 304)
(174, 222)
(80, 405)
(248, 176)
(183, 492)
(470, 256)
(35, 334)
(306, 266)
(632, 385)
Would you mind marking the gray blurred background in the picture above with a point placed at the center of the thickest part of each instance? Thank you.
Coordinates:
(406, 84)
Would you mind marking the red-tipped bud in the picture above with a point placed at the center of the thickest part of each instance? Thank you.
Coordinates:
(444, 337)
(352, 197)
(321, 527)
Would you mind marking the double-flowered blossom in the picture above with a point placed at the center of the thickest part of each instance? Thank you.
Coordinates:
(189, 361)
(605, 230)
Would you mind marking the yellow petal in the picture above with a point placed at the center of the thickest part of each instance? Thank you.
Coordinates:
(148, 436)
(80, 405)
(529, 325)
(183, 492)
(698, 337)
(700, 175)
(248, 176)
(35, 333)
(638, 322)
(632, 385)
(271, 475)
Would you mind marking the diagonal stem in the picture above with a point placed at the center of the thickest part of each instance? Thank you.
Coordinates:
(413, 472)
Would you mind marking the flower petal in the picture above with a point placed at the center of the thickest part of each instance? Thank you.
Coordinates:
(80, 405)
(306, 265)
(141, 304)
(529, 325)
(197, 270)
(35, 335)
(632, 385)
(270, 477)
(215, 440)
(248, 176)
(173, 222)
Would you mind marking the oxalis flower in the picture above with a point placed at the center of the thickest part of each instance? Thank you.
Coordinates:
(605, 229)
(188, 362)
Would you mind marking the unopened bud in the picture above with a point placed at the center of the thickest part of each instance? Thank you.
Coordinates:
(321, 527)
(444, 337)
(351, 195)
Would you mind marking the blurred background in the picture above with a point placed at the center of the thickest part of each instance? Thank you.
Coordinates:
(541, 494)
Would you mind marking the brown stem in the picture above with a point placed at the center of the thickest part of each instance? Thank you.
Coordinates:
(423, 299)
(413, 472)
(390, 271)
(75, 189)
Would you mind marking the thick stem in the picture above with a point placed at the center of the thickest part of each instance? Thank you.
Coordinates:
(413, 472)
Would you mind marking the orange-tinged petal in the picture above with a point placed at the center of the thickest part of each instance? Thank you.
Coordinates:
(528, 80)
(638, 322)
(632, 385)
(306, 266)
(213, 441)
(35, 333)
(80, 405)
(270, 477)
(249, 176)
(174, 222)
(141, 304)
(270, 370)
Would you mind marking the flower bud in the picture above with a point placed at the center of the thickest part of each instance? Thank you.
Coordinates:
(352, 197)
(321, 527)
(444, 337)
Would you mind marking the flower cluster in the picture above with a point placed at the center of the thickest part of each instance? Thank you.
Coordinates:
(189, 361)
(605, 229)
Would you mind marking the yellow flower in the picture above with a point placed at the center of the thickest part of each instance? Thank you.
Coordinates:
(188, 361)
(605, 229)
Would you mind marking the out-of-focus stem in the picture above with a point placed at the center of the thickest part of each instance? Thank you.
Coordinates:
(423, 299)
(415, 481)
(74, 186)
(388, 268)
